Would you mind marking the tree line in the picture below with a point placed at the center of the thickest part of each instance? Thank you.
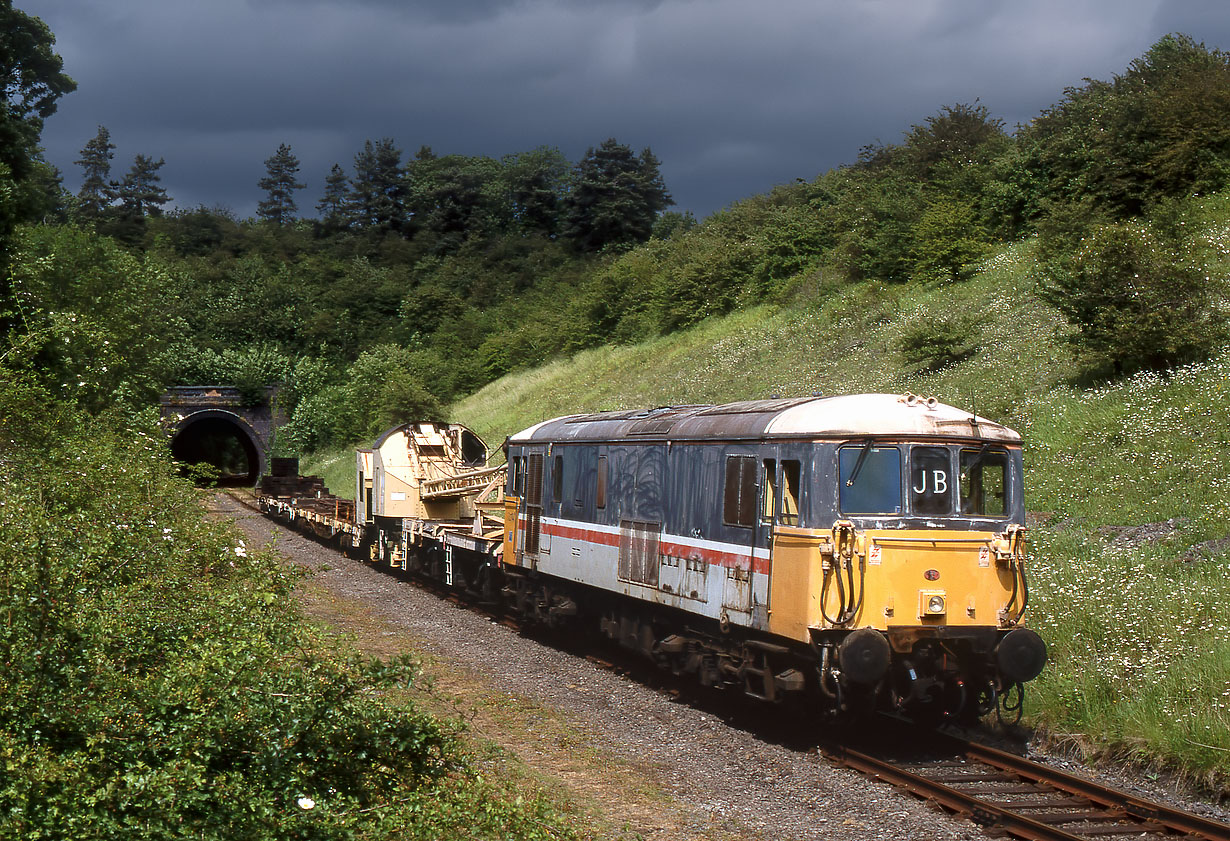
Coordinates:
(421, 279)
(611, 197)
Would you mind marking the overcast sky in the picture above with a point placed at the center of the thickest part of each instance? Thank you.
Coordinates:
(733, 96)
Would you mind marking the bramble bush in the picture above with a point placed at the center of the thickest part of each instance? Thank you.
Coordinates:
(157, 680)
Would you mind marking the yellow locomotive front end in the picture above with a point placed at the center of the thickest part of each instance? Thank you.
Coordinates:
(914, 594)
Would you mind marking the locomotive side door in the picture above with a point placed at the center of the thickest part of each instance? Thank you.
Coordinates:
(770, 511)
(740, 505)
(530, 535)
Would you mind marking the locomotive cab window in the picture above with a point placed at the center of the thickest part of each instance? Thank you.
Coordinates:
(869, 479)
(931, 481)
(557, 480)
(516, 475)
(984, 482)
(780, 503)
(769, 506)
(790, 493)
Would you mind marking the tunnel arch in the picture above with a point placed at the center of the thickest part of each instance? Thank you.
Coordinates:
(224, 440)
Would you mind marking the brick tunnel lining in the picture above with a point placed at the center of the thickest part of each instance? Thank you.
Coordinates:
(223, 440)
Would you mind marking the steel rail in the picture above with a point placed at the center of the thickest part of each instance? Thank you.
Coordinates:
(1061, 798)
(953, 799)
(1173, 819)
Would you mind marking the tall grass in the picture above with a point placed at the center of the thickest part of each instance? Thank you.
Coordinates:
(1140, 642)
(335, 466)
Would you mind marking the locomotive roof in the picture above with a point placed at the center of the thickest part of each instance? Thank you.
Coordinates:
(850, 416)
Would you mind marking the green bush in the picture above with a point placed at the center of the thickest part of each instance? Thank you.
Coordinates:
(96, 319)
(941, 341)
(156, 679)
(948, 241)
(1136, 302)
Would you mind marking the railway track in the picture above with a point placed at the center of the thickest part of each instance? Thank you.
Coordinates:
(1004, 793)
(1014, 796)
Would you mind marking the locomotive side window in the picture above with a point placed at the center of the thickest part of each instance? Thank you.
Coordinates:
(930, 481)
(600, 494)
(769, 508)
(869, 479)
(516, 476)
(557, 480)
(739, 502)
(984, 482)
(790, 493)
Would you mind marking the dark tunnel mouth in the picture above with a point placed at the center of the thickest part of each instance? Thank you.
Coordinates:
(222, 443)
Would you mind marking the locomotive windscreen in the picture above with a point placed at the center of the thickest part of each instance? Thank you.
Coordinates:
(870, 479)
(984, 482)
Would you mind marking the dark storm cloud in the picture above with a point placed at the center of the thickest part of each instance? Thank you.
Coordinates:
(733, 97)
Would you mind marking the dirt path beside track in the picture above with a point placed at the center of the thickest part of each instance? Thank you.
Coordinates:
(627, 756)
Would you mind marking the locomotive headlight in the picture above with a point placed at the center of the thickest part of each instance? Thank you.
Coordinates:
(932, 604)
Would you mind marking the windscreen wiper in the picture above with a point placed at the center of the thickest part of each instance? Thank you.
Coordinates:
(858, 465)
(982, 452)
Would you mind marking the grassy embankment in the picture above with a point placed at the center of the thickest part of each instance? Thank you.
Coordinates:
(1138, 631)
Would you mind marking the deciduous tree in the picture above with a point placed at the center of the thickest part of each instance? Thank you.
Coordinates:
(454, 197)
(1135, 301)
(32, 80)
(1159, 130)
(536, 182)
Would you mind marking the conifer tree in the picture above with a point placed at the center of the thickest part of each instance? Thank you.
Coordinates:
(97, 192)
(378, 189)
(334, 206)
(140, 192)
(615, 197)
(279, 184)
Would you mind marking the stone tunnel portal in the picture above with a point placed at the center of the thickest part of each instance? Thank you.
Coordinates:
(229, 430)
(222, 441)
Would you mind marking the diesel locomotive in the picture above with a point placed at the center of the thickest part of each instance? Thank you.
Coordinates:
(864, 552)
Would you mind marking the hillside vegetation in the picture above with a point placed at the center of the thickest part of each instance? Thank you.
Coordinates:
(433, 276)
(1068, 278)
(1127, 481)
